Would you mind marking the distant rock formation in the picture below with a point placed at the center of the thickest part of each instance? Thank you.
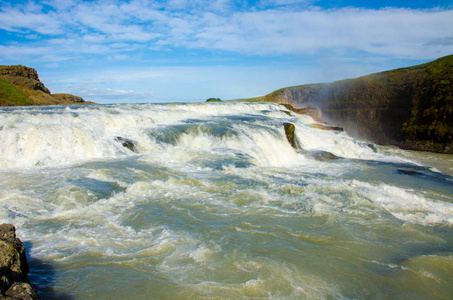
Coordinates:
(69, 98)
(213, 100)
(410, 107)
(13, 266)
(20, 86)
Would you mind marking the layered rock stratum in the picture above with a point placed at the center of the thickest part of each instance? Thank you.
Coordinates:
(20, 86)
(411, 108)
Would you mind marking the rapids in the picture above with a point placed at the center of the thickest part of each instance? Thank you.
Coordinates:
(215, 203)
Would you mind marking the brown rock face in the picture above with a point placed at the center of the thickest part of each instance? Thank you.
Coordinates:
(68, 98)
(20, 85)
(23, 76)
(410, 107)
(19, 71)
(290, 132)
(13, 266)
(23, 291)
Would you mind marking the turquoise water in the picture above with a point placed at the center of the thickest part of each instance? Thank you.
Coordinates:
(215, 203)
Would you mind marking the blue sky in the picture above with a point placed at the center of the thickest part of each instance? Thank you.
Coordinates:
(112, 51)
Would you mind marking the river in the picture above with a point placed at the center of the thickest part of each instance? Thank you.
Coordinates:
(210, 200)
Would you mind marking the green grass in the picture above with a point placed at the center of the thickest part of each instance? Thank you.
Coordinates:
(407, 106)
(11, 96)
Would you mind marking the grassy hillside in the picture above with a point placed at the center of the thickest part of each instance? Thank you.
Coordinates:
(20, 86)
(408, 107)
(10, 95)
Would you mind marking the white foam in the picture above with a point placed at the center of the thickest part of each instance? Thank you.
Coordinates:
(191, 211)
(408, 205)
(60, 136)
(266, 279)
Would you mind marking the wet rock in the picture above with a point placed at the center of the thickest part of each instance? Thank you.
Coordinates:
(323, 155)
(13, 266)
(7, 233)
(23, 291)
(372, 147)
(290, 130)
(13, 261)
(129, 144)
(408, 172)
(288, 113)
(311, 111)
(327, 127)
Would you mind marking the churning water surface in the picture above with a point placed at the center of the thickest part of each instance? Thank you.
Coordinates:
(211, 201)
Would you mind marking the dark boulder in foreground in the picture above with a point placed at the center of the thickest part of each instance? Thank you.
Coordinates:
(13, 266)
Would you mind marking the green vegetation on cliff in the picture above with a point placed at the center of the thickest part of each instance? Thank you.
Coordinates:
(10, 95)
(20, 86)
(213, 100)
(408, 107)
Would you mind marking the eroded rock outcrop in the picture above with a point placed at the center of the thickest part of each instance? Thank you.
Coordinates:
(20, 86)
(68, 98)
(290, 132)
(409, 107)
(13, 266)
(311, 111)
(23, 76)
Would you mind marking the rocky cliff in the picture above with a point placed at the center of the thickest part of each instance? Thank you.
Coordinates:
(20, 86)
(410, 107)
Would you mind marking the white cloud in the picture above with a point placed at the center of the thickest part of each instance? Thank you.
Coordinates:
(284, 2)
(85, 28)
(60, 4)
(395, 32)
(18, 20)
(14, 51)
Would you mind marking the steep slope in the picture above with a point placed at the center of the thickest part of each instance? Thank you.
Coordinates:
(20, 86)
(409, 107)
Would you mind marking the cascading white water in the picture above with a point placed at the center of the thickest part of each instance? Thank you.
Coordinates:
(213, 202)
(64, 136)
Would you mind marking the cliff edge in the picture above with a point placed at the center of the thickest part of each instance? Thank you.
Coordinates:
(411, 108)
(20, 86)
